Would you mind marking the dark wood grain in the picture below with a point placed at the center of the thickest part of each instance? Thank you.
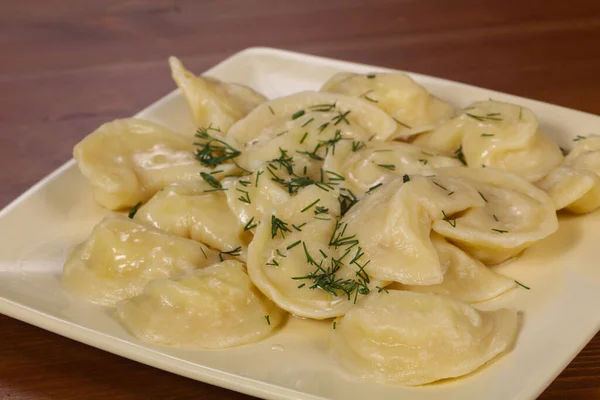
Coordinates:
(69, 65)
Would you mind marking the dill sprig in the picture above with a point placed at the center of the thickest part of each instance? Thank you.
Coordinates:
(308, 207)
(372, 188)
(291, 246)
(298, 114)
(438, 185)
(212, 151)
(365, 95)
(402, 123)
(258, 174)
(334, 176)
(323, 144)
(460, 155)
(283, 161)
(324, 277)
(487, 117)
(249, 225)
(451, 221)
(391, 167)
(341, 117)
(321, 210)
(322, 127)
(347, 201)
(273, 262)
(323, 107)
(278, 225)
(234, 253)
(356, 146)
(211, 180)
(338, 238)
(245, 197)
(520, 284)
(134, 210)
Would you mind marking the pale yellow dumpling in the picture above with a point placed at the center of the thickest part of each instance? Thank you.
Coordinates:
(212, 102)
(516, 214)
(405, 338)
(366, 164)
(499, 135)
(304, 141)
(393, 223)
(328, 111)
(195, 210)
(213, 308)
(128, 160)
(250, 197)
(295, 251)
(410, 104)
(575, 185)
(465, 278)
(122, 255)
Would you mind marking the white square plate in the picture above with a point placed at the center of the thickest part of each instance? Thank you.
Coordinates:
(560, 311)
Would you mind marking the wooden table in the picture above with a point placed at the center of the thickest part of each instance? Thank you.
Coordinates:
(69, 65)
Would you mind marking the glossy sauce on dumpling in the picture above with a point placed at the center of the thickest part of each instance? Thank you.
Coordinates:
(575, 185)
(498, 135)
(197, 211)
(465, 278)
(122, 255)
(367, 164)
(410, 104)
(213, 308)
(128, 160)
(406, 338)
(515, 215)
(393, 224)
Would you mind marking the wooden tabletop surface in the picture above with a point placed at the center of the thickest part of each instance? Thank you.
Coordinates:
(69, 65)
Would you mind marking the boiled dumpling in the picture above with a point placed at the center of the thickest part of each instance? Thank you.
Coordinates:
(212, 102)
(577, 190)
(393, 224)
(250, 197)
(410, 339)
(409, 103)
(195, 210)
(301, 258)
(516, 215)
(575, 185)
(584, 144)
(498, 135)
(213, 308)
(121, 256)
(465, 278)
(365, 165)
(294, 134)
(128, 160)
(315, 113)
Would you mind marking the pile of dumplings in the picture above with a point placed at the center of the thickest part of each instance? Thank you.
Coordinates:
(370, 204)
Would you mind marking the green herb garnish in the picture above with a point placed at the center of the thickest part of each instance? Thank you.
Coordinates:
(134, 210)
